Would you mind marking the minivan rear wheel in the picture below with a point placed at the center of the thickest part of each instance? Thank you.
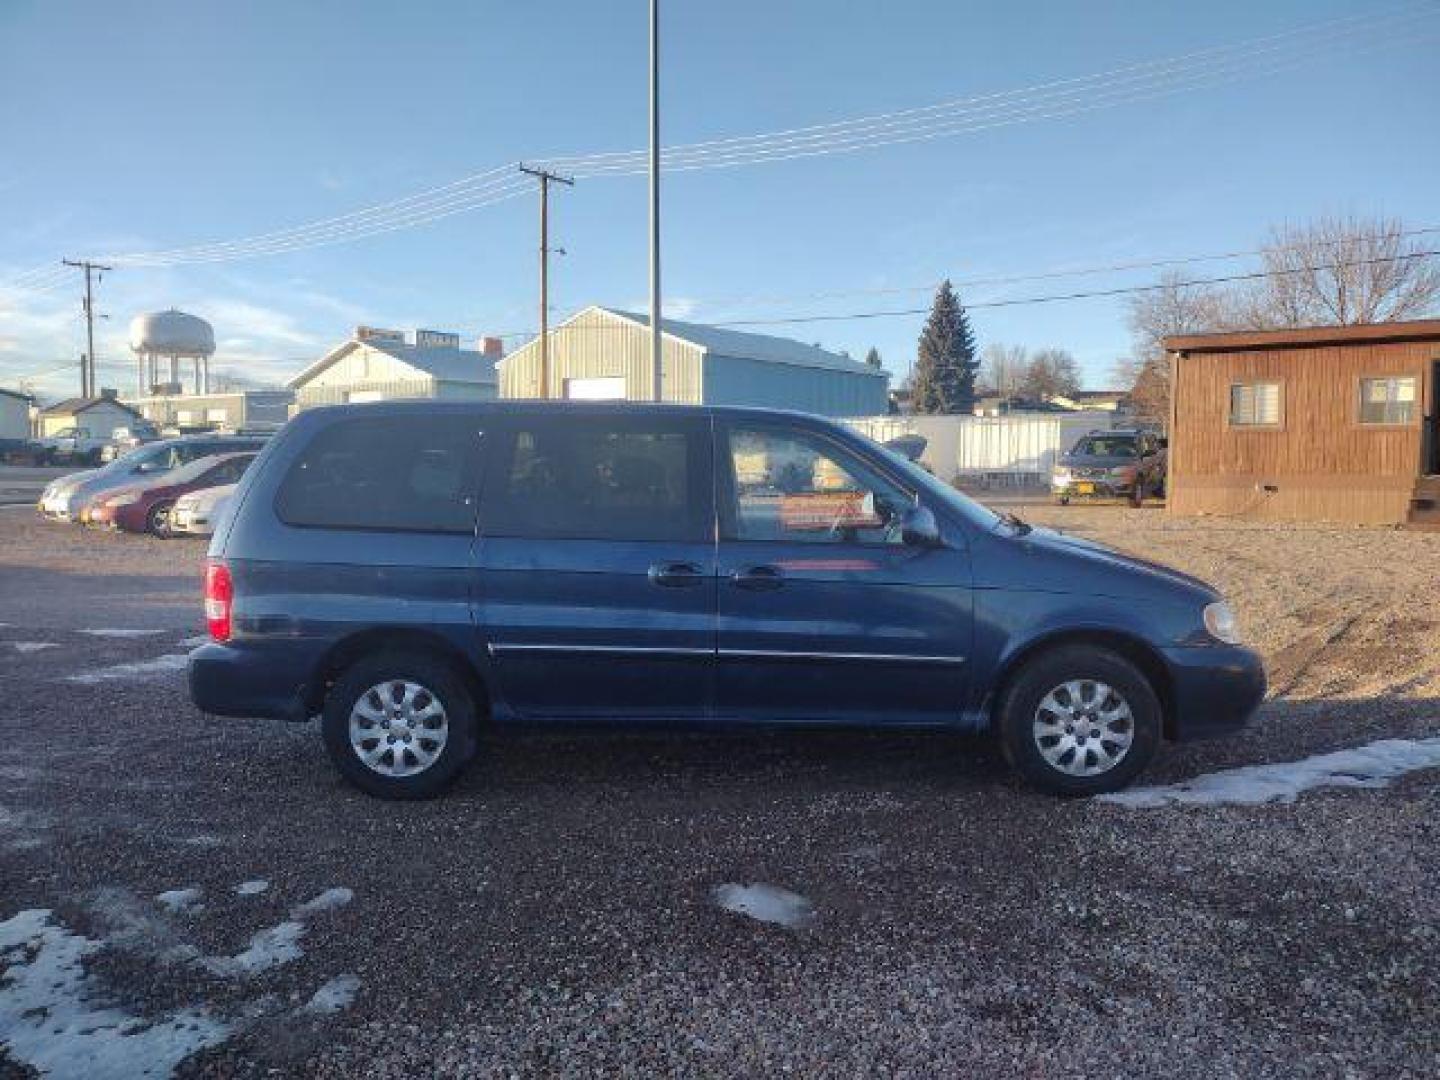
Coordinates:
(1079, 720)
(399, 725)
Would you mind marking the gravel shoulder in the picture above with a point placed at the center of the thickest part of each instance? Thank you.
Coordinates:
(555, 914)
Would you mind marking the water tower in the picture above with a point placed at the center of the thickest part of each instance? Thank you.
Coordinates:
(175, 336)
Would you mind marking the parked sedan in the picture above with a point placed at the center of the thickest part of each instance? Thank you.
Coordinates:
(195, 514)
(67, 498)
(147, 507)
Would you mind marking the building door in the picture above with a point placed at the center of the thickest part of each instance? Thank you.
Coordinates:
(825, 615)
(596, 565)
(1430, 437)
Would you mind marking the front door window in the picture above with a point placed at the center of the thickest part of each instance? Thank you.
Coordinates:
(795, 489)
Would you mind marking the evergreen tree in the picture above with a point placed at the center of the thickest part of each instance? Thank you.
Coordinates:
(873, 357)
(946, 362)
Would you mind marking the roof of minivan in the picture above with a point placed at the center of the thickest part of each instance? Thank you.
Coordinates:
(559, 406)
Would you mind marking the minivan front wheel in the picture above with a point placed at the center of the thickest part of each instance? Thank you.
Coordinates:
(399, 725)
(1079, 720)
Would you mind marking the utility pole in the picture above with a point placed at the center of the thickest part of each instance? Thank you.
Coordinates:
(656, 390)
(87, 366)
(545, 177)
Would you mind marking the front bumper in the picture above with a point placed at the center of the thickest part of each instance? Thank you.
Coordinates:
(1109, 487)
(1216, 689)
(190, 522)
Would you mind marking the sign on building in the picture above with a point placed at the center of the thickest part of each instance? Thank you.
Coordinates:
(374, 333)
(436, 339)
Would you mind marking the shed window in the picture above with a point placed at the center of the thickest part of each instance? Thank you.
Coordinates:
(1388, 400)
(1257, 404)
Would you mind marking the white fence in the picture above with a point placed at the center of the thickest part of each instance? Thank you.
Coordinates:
(1017, 450)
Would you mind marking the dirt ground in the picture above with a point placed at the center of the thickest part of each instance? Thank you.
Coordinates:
(1338, 611)
(185, 893)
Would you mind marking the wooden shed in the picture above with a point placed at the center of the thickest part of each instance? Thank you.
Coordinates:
(1323, 424)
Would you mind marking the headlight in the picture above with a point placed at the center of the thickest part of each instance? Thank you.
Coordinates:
(1060, 476)
(1125, 472)
(1220, 623)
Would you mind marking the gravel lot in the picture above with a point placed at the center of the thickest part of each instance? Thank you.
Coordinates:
(555, 913)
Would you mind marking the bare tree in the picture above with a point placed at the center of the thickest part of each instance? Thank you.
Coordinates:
(1050, 372)
(1172, 308)
(1340, 270)
(1002, 367)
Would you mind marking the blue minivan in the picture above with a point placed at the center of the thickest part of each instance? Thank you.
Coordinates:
(413, 572)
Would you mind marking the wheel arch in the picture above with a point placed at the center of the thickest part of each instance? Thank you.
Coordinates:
(1133, 648)
(394, 639)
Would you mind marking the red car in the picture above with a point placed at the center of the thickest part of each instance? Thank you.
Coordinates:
(146, 507)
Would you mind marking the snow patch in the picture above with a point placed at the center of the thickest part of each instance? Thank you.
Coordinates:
(120, 632)
(328, 900)
(1371, 766)
(252, 888)
(32, 646)
(268, 948)
(49, 1018)
(766, 903)
(336, 995)
(177, 901)
(279, 944)
(192, 642)
(135, 670)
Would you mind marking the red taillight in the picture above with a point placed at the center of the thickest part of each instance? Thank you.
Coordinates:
(219, 593)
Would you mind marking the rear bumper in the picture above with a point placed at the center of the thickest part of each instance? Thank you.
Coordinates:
(1217, 689)
(268, 680)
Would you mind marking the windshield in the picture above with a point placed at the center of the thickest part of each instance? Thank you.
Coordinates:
(1105, 446)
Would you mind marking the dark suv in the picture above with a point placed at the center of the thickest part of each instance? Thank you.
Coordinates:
(415, 571)
(1109, 465)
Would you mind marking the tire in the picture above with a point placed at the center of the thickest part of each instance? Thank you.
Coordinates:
(1032, 718)
(157, 521)
(1063, 500)
(364, 684)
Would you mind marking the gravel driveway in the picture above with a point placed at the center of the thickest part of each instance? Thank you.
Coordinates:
(183, 893)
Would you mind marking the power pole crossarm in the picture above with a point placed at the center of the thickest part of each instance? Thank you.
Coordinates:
(545, 178)
(87, 368)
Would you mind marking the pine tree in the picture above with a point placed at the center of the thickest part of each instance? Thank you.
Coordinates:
(946, 362)
(873, 357)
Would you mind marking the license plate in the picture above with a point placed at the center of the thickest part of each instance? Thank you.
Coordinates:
(1085, 488)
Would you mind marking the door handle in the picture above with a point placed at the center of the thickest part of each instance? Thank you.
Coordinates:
(759, 577)
(676, 574)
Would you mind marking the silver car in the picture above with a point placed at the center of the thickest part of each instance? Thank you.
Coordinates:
(195, 514)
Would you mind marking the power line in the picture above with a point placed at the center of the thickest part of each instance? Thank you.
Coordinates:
(1065, 97)
(1087, 294)
(1050, 298)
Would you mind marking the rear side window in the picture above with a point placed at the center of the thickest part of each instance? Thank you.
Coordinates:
(589, 479)
(395, 473)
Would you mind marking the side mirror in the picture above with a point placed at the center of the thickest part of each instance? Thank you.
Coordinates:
(918, 528)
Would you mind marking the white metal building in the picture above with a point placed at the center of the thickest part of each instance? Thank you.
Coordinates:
(603, 353)
(100, 416)
(14, 414)
(1015, 450)
(228, 411)
(381, 365)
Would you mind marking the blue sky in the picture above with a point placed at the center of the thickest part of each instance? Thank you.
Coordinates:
(135, 126)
